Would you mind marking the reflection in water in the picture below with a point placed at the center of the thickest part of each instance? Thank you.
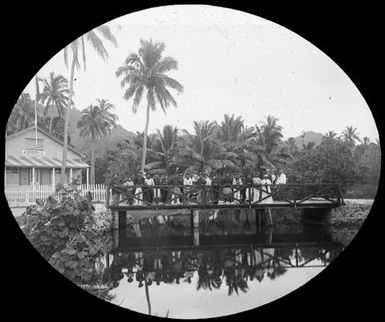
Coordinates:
(198, 269)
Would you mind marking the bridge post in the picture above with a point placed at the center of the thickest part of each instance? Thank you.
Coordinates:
(195, 227)
(257, 217)
(122, 220)
(269, 216)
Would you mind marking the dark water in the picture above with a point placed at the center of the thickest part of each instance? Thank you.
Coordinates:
(226, 264)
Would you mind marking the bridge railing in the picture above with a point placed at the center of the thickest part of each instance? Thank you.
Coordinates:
(209, 195)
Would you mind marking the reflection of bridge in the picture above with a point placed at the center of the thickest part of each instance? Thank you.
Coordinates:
(214, 259)
(306, 236)
(287, 255)
(196, 197)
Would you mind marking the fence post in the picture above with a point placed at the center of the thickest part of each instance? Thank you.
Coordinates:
(115, 218)
(107, 196)
(26, 196)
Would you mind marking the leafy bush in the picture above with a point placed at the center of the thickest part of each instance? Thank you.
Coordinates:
(65, 232)
(101, 220)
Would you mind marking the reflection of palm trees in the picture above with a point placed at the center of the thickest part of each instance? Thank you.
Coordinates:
(208, 280)
(209, 277)
(235, 282)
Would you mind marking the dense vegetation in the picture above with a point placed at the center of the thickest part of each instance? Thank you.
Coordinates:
(230, 145)
(233, 146)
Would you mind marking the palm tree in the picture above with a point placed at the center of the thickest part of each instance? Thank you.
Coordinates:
(292, 145)
(309, 145)
(22, 114)
(200, 152)
(230, 128)
(96, 121)
(164, 149)
(329, 136)
(78, 48)
(54, 95)
(146, 71)
(270, 133)
(350, 135)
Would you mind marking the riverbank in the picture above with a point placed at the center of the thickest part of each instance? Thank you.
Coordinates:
(352, 214)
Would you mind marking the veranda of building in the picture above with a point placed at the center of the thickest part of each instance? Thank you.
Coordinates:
(33, 157)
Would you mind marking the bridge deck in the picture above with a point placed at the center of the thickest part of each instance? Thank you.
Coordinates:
(310, 203)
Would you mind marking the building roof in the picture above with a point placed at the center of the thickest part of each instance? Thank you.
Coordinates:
(45, 133)
(39, 161)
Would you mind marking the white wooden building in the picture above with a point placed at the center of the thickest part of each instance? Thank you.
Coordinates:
(33, 157)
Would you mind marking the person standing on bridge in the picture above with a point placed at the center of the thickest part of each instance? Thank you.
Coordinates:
(157, 195)
(266, 190)
(164, 191)
(129, 186)
(248, 189)
(256, 190)
(139, 182)
(208, 187)
(266, 196)
(227, 190)
(271, 176)
(281, 179)
(148, 193)
(215, 182)
(201, 191)
(187, 183)
(237, 183)
(175, 190)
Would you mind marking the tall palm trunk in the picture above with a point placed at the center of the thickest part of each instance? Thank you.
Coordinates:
(147, 297)
(50, 121)
(92, 160)
(66, 121)
(144, 152)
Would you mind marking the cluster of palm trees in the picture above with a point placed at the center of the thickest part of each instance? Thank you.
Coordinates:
(210, 147)
(349, 135)
(96, 121)
(50, 117)
(58, 92)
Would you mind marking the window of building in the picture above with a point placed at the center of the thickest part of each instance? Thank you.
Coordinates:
(13, 170)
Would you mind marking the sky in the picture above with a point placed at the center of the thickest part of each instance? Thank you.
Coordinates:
(230, 62)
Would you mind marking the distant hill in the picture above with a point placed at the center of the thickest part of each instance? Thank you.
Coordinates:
(118, 134)
(308, 137)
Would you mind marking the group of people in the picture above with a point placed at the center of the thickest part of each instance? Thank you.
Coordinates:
(145, 188)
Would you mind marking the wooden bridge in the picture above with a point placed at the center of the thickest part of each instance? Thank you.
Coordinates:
(160, 197)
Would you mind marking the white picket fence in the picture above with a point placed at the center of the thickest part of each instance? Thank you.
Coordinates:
(27, 195)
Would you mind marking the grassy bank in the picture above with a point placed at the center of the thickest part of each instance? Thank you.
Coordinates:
(353, 213)
(362, 191)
